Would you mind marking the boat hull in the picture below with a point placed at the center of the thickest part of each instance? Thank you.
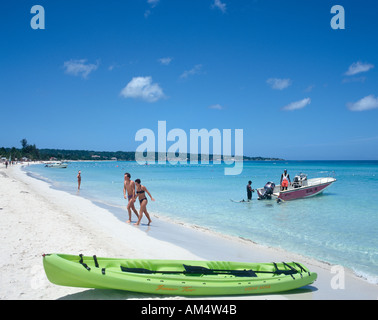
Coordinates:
(56, 165)
(310, 188)
(106, 273)
(303, 192)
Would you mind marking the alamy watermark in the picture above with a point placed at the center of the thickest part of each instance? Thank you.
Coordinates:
(38, 20)
(338, 20)
(179, 152)
(338, 280)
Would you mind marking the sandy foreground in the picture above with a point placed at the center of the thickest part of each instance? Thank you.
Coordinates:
(36, 219)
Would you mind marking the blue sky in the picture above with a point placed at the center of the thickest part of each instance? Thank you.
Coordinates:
(102, 70)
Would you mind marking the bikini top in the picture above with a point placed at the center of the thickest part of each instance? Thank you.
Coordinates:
(141, 191)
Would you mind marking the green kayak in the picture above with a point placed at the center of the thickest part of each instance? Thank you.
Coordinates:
(176, 277)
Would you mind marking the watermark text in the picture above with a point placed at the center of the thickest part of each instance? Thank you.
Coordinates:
(221, 141)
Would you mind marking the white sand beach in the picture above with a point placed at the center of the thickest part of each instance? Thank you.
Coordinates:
(36, 219)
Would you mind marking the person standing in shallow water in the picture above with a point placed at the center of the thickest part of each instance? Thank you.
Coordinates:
(249, 190)
(78, 180)
(141, 190)
(285, 180)
(129, 186)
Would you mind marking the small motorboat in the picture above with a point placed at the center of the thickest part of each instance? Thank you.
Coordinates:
(57, 165)
(301, 187)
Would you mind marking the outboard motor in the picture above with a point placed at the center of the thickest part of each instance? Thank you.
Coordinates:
(268, 191)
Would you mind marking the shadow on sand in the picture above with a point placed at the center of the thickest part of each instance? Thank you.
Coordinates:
(109, 294)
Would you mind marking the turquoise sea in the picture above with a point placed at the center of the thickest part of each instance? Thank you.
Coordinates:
(339, 226)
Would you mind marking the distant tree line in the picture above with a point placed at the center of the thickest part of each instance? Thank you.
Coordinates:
(33, 153)
(29, 151)
(61, 154)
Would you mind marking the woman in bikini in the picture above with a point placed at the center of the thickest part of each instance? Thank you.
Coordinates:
(140, 193)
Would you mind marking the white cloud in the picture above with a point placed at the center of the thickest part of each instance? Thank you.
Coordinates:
(216, 107)
(114, 66)
(79, 67)
(358, 67)
(297, 105)
(165, 61)
(153, 3)
(354, 79)
(143, 88)
(309, 88)
(220, 5)
(278, 84)
(367, 103)
(195, 70)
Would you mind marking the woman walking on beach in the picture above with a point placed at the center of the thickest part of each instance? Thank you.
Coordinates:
(140, 193)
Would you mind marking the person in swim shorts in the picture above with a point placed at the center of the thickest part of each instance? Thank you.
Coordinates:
(129, 186)
(285, 180)
(249, 190)
(141, 194)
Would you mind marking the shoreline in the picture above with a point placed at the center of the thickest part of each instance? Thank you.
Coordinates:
(37, 219)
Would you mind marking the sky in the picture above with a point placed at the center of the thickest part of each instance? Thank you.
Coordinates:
(101, 70)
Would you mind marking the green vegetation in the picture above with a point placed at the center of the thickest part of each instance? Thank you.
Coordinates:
(27, 151)
(33, 153)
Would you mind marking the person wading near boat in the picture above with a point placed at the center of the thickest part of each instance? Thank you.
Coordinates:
(141, 193)
(129, 186)
(285, 180)
(249, 190)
